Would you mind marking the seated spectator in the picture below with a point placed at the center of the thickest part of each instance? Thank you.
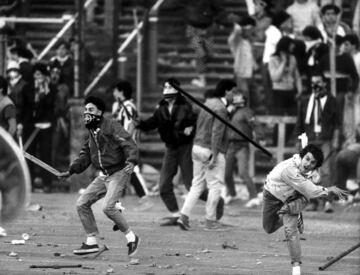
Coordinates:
(240, 42)
(286, 81)
(304, 13)
(65, 62)
(329, 17)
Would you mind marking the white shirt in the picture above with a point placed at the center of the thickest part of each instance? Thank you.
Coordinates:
(273, 35)
(303, 15)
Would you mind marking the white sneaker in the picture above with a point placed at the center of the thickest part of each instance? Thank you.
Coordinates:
(296, 270)
(253, 203)
(2, 232)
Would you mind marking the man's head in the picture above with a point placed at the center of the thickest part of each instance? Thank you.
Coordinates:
(93, 112)
(55, 73)
(239, 99)
(261, 6)
(169, 90)
(62, 48)
(41, 72)
(311, 158)
(3, 86)
(350, 44)
(283, 21)
(225, 88)
(330, 13)
(311, 33)
(318, 84)
(247, 25)
(123, 90)
(13, 69)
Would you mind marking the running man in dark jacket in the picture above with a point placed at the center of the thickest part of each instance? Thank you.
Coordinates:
(112, 151)
(175, 121)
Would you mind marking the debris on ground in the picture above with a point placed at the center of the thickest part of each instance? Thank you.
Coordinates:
(35, 207)
(12, 254)
(226, 245)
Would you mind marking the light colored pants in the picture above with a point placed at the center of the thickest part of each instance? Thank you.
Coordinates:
(203, 176)
(111, 188)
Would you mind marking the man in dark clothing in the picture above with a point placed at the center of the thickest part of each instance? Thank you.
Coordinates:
(23, 57)
(7, 109)
(319, 118)
(112, 151)
(175, 120)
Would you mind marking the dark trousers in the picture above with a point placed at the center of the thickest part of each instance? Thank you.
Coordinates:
(135, 182)
(174, 158)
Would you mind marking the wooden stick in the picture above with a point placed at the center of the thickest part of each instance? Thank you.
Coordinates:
(56, 266)
(42, 164)
(343, 254)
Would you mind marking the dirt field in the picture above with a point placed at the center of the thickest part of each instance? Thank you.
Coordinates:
(56, 231)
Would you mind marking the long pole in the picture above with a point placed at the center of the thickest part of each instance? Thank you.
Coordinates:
(227, 123)
(343, 254)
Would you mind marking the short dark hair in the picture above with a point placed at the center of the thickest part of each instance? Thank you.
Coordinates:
(223, 86)
(98, 102)
(125, 87)
(312, 32)
(353, 39)
(332, 7)
(173, 80)
(315, 151)
(3, 85)
(247, 21)
(41, 67)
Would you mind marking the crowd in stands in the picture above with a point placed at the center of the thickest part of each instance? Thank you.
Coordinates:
(297, 76)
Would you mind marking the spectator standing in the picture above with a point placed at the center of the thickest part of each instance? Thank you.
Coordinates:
(304, 13)
(286, 80)
(329, 17)
(124, 111)
(44, 118)
(281, 26)
(208, 155)
(315, 50)
(175, 121)
(200, 17)
(319, 117)
(350, 45)
(237, 154)
(23, 57)
(64, 60)
(240, 42)
(7, 110)
(262, 17)
(21, 94)
(61, 128)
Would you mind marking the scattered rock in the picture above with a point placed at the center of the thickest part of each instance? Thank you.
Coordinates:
(13, 254)
(152, 265)
(188, 255)
(25, 236)
(205, 251)
(109, 270)
(57, 254)
(18, 242)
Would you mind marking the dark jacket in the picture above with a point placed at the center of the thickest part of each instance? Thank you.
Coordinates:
(22, 94)
(171, 126)
(107, 149)
(243, 119)
(44, 106)
(330, 120)
(203, 13)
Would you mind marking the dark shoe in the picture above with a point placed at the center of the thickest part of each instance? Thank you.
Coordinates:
(328, 208)
(115, 227)
(86, 249)
(133, 246)
(169, 221)
(220, 209)
(216, 226)
(183, 222)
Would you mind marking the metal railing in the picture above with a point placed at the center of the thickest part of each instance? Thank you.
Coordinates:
(122, 47)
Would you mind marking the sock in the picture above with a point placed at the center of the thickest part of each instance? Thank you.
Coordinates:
(130, 237)
(91, 240)
(175, 214)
